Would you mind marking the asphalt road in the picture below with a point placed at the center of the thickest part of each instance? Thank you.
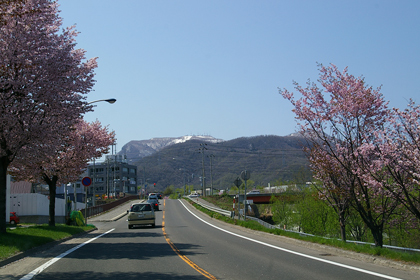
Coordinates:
(186, 244)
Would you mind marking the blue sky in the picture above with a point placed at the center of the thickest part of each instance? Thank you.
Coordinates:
(214, 67)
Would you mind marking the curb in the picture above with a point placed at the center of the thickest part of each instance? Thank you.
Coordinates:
(116, 218)
(119, 216)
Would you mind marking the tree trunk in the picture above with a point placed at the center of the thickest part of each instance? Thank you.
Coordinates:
(4, 164)
(375, 228)
(342, 220)
(377, 235)
(52, 184)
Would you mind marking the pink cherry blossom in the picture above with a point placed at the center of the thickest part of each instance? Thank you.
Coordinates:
(43, 82)
(65, 163)
(339, 122)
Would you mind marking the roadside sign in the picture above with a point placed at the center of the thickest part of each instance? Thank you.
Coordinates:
(86, 181)
(245, 175)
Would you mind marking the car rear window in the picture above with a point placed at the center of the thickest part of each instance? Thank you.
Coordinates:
(141, 207)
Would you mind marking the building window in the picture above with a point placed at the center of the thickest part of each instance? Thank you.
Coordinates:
(96, 170)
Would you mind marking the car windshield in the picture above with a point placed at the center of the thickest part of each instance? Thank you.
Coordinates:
(141, 207)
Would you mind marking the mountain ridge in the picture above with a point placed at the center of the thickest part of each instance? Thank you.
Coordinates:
(270, 159)
(137, 149)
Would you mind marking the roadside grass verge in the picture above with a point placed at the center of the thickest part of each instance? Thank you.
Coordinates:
(407, 257)
(23, 238)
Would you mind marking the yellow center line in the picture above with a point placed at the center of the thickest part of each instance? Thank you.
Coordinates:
(183, 257)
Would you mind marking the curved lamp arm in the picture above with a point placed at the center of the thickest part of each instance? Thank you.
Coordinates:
(111, 101)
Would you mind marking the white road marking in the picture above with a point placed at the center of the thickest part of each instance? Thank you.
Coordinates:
(293, 252)
(38, 270)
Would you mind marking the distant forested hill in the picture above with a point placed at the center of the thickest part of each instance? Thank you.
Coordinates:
(270, 159)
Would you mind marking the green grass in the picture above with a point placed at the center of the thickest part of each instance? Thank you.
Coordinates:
(365, 249)
(23, 238)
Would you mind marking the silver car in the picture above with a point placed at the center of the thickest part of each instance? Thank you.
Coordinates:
(153, 196)
(141, 214)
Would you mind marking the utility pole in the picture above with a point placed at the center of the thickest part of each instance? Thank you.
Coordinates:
(183, 173)
(115, 163)
(238, 183)
(245, 175)
(202, 148)
(211, 173)
(93, 184)
(107, 177)
(144, 183)
(75, 196)
(113, 159)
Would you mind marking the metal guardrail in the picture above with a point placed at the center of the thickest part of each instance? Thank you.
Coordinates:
(267, 225)
(214, 209)
(411, 250)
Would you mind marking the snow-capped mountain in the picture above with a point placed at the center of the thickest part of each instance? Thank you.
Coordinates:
(137, 149)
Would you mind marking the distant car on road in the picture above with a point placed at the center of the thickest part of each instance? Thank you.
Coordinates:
(153, 196)
(14, 219)
(193, 195)
(141, 214)
(154, 203)
(159, 195)
(254, 192)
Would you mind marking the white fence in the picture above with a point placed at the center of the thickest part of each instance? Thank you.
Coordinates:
(35, 204)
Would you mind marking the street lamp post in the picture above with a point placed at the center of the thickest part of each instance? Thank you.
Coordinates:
(110, 101)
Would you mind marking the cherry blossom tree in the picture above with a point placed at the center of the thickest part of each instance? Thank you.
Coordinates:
(65, 163)
(397, 164)
(43, 81)
(334, 187)
(341, 125)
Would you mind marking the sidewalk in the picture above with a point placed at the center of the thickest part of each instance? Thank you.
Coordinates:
(109, 216)
(113, 214)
